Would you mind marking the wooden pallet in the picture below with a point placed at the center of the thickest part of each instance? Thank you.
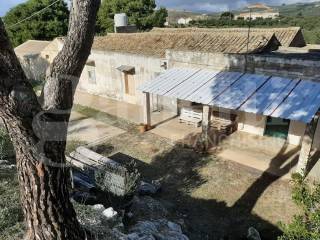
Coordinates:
(224, 123)
(190, 117)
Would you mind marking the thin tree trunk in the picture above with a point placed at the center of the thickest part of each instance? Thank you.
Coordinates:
(38, 132)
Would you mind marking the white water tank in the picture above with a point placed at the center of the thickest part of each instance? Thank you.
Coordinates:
(120, 20)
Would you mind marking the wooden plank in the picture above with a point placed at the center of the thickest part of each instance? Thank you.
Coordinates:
(95, 157)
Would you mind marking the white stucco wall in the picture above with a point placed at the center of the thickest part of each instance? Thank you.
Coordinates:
(251, 123)
(110, 81)
(296, 131)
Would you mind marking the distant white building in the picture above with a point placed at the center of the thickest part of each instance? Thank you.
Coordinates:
(184, 21)
(257, 15)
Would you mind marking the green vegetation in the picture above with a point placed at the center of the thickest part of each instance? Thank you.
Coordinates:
(11, 216)
(310, 25)
(106, 118)
(305, 226)
(141, 13)
(227, 16)
(304, 9)
(46, 26)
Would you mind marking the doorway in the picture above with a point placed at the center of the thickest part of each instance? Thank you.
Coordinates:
(277, 127)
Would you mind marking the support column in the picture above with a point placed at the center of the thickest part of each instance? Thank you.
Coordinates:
(146, 110)
(306, 147)
(206, 117)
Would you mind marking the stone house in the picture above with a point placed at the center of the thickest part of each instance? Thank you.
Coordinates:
(33, 63)
(121, 66)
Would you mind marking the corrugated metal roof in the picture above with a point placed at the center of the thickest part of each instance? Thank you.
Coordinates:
(292, 99)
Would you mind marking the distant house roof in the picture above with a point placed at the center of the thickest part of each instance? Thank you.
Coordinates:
(31, 47)
(156, 43)
(288, 37)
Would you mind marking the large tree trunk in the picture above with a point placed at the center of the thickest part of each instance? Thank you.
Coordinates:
(38, 130)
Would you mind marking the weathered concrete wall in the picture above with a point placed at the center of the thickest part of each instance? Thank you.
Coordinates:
(273, 64)
(110, 81)
(296, 131)
(52, 50)
(35, 66)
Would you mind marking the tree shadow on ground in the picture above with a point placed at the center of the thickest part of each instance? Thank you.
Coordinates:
(211, 219)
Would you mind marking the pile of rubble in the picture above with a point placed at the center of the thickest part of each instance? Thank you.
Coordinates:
(148, 218)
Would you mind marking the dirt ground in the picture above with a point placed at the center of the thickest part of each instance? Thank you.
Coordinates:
(214, 198)
(217, 199)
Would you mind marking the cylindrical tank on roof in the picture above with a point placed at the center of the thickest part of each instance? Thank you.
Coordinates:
(120, 20)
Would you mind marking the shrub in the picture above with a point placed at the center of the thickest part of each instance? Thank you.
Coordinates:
(307, 225)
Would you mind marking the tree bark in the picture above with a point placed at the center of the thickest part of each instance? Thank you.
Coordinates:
(38, 130)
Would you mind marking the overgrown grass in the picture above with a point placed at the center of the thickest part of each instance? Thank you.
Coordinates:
(11, 216)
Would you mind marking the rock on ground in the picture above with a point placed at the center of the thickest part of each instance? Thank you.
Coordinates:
(149, 188)
(160, 229)
(147, 208)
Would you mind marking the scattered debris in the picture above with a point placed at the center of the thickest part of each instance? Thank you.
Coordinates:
(147, 208)
(160, 229)
(149, 188)
(109, 213)
(107, 174)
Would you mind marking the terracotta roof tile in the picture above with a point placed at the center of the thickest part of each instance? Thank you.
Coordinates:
(286, 36)
(156, 43)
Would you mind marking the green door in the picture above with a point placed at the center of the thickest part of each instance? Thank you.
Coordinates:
(277, 127)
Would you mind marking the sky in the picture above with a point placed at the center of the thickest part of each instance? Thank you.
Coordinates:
(190, 5)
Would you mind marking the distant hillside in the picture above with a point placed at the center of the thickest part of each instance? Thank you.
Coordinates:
(300, 9)
(292, 10)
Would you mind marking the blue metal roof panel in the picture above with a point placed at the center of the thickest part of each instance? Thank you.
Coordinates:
(259, 94)
(161, 80)
(212, 89)
(186, 88)
(269, 96)
(302, 103)
(240, 91)
(168, 84)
